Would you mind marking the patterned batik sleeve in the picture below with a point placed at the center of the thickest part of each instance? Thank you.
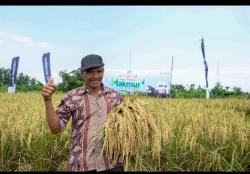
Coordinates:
(119, 99)
(64, 110)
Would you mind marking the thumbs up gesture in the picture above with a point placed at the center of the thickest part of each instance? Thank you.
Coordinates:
(48, 89)
(51, 81)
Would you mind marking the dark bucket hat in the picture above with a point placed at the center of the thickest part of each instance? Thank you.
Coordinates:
(91, 61)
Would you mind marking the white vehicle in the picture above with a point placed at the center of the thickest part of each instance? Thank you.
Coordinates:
(162, 89)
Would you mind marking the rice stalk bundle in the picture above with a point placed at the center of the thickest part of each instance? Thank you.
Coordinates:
(130, 132)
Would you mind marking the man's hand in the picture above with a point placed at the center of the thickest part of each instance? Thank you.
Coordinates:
(48, 89)
(53, 120)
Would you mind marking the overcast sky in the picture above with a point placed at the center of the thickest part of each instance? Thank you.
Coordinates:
(153, 34)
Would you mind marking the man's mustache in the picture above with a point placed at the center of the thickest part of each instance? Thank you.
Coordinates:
(96, 79)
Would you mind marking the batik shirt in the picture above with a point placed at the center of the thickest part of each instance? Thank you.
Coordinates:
(88, 114)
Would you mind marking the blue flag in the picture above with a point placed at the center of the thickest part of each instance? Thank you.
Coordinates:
(46, 66)
(203, 48)
(205, 62)
(13, 74)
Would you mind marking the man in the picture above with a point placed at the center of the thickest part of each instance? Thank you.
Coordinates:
(88, 105)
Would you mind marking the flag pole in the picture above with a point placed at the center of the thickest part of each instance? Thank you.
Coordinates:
(171, 76)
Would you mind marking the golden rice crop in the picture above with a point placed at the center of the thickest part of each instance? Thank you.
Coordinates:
(204, 135)
(195, 135)
(26, 142)
(131, 131)
(174, 134)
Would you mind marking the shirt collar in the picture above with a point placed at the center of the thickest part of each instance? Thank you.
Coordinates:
(104, 89)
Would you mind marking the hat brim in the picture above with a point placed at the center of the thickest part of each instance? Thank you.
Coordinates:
(91, 66)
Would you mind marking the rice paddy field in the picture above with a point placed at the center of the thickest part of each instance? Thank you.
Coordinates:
(180, 134)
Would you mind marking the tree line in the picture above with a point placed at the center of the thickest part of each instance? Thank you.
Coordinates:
(25, 83)
(73, 79)
(218, 91)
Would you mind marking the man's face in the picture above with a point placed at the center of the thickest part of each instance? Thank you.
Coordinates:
(93, 77)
